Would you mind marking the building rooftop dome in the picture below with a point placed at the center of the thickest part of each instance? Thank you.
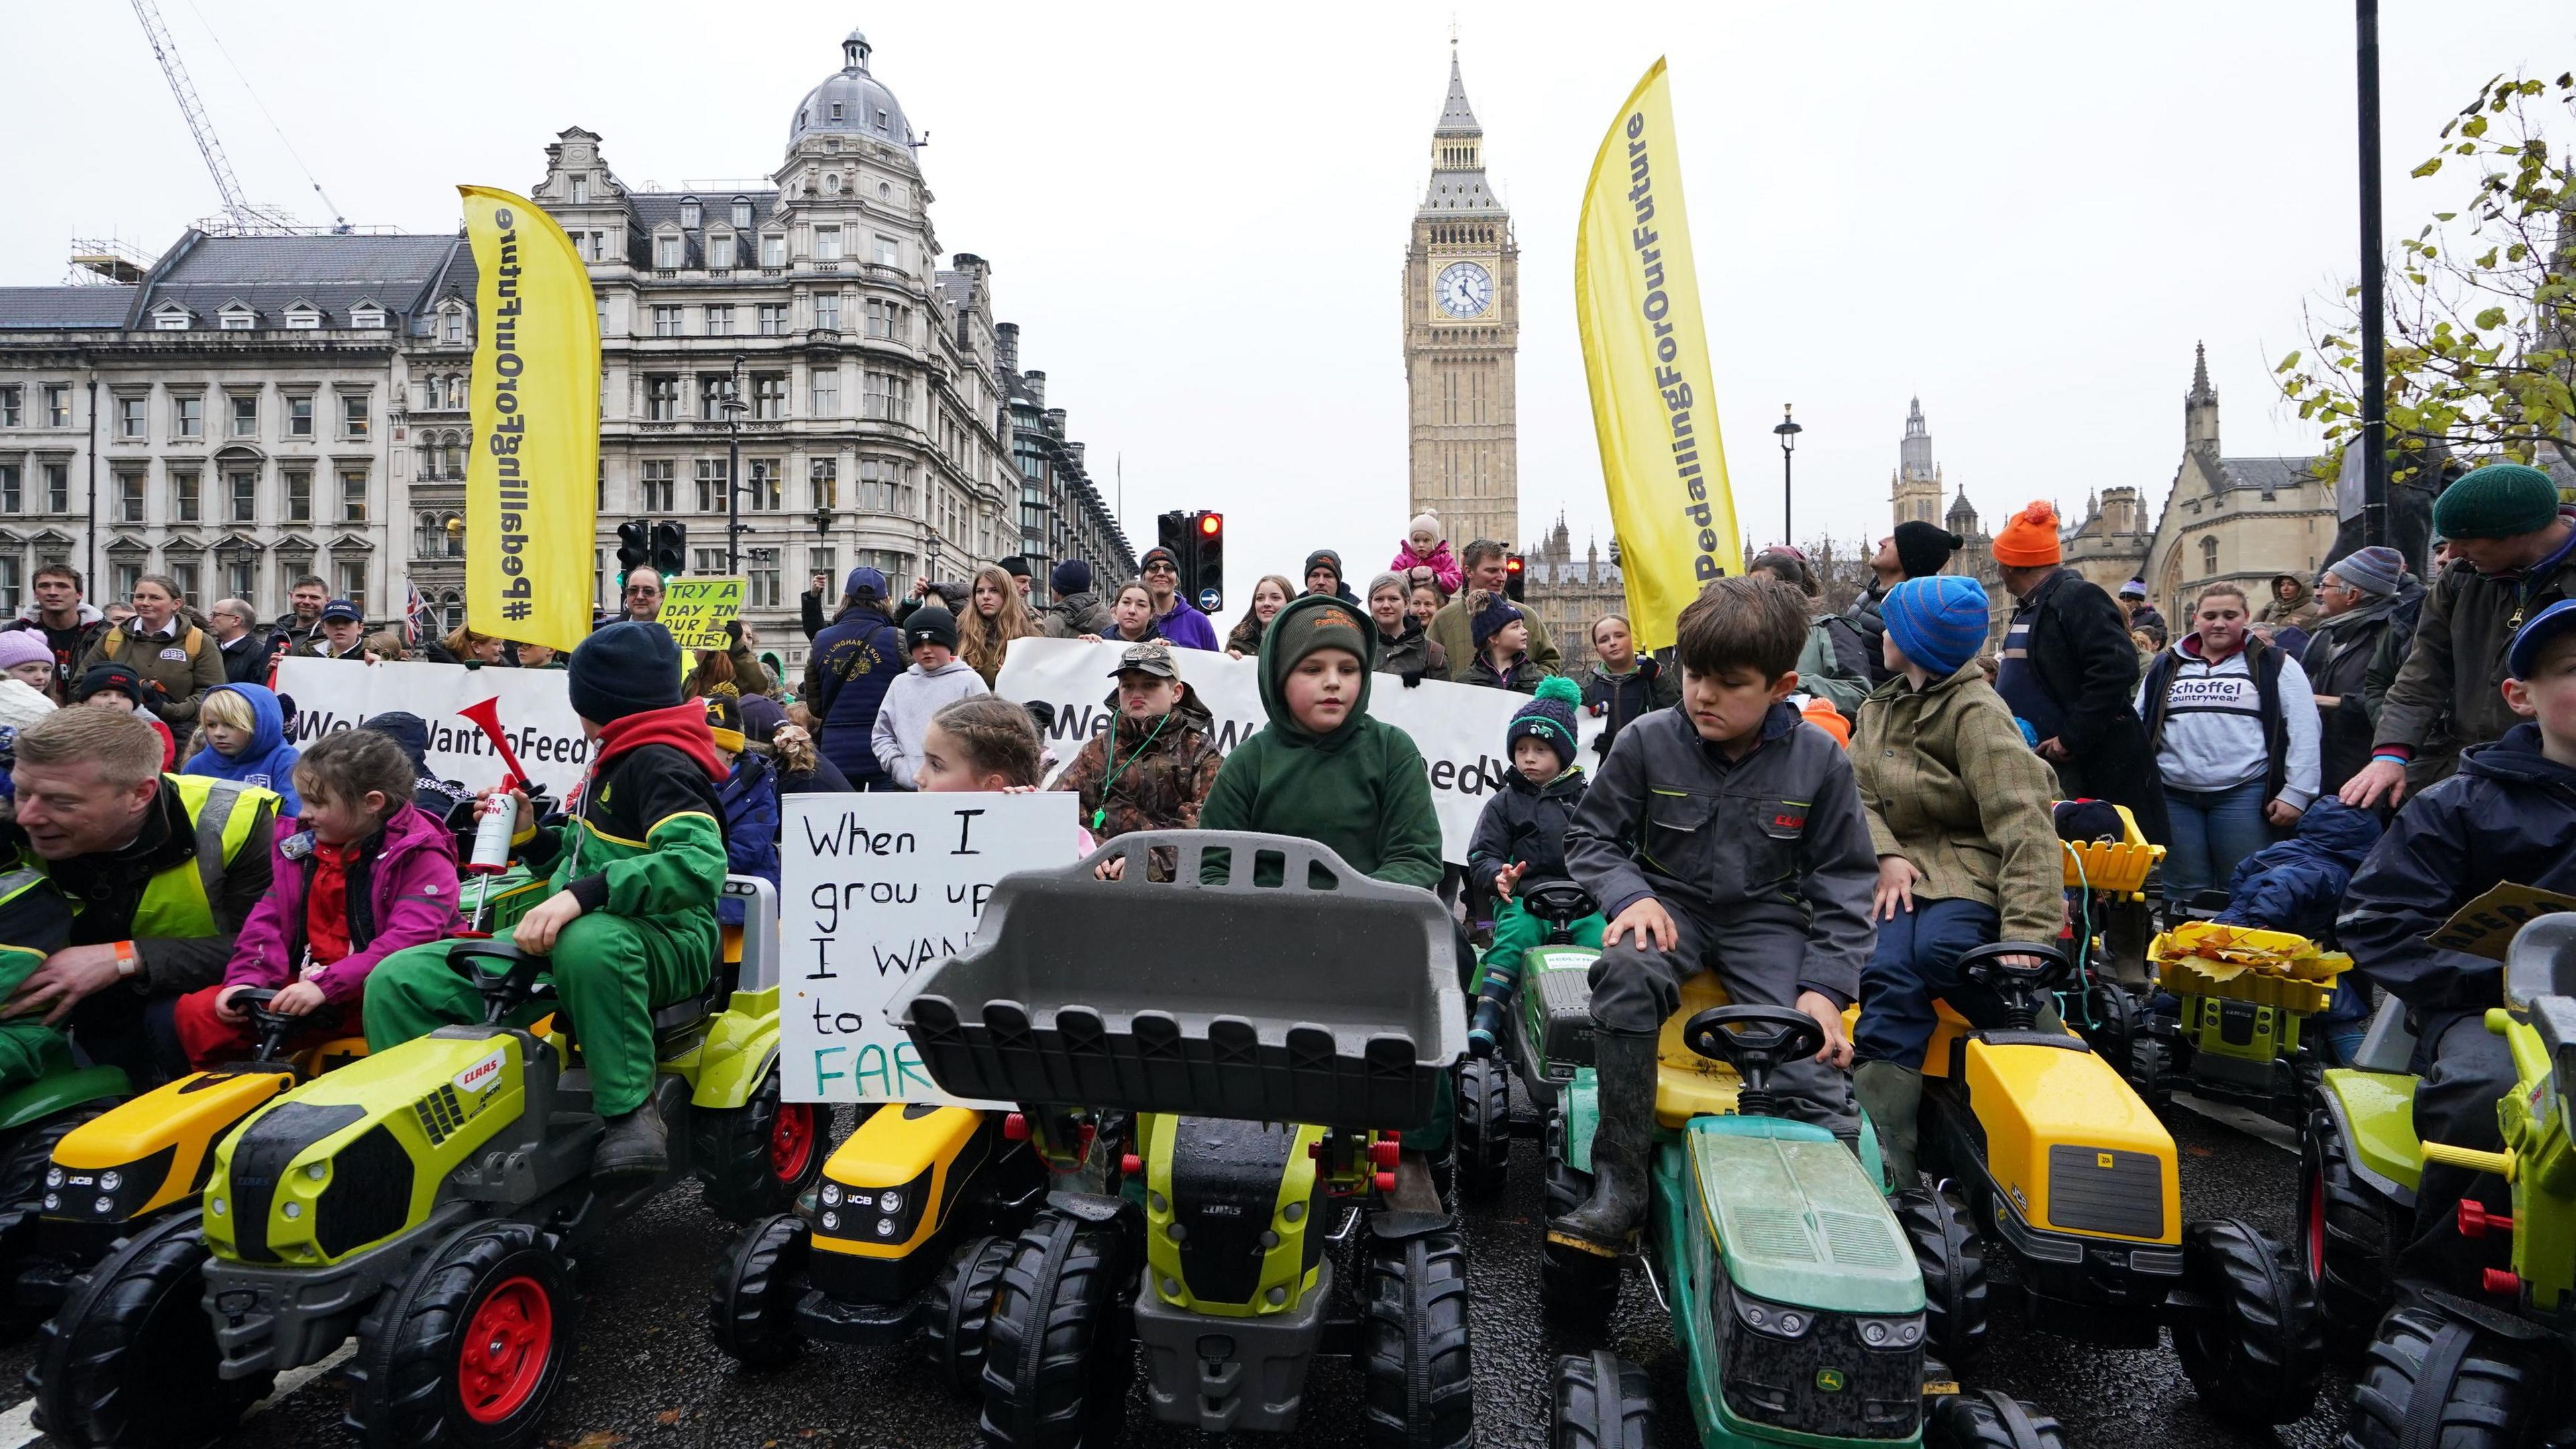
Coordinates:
(851, 102)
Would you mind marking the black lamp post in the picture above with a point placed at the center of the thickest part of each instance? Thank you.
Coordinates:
(733, 406)
(1788, 432)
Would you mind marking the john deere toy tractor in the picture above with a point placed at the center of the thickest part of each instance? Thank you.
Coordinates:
(906, 1237)
(428, 1199)
(1269, 1064)
(2069, 1172)
(2494, 1369)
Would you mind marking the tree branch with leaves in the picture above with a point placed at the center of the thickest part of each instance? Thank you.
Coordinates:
(2481, 326)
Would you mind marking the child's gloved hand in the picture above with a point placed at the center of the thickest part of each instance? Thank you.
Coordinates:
(1837, 1050)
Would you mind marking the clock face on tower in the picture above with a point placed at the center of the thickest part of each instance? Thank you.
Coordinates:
(1464, 289)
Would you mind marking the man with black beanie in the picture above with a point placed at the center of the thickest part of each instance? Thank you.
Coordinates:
(636, 873)
(1917, 550)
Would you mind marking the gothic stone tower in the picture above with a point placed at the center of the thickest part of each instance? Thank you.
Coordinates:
(1461, 330)
(1917, 484)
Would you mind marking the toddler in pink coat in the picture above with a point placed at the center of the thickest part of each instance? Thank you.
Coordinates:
(1424, 548)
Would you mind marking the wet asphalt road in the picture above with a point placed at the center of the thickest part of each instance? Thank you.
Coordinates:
(644, 1374)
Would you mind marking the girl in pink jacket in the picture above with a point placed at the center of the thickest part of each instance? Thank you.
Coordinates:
(359, 875)
(1424, 548)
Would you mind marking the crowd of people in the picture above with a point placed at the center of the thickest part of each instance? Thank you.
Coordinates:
(1828, 806)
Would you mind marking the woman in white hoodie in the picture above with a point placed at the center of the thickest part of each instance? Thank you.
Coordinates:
(2233, 726)
(937, 676)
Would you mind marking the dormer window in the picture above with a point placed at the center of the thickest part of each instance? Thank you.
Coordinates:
(364, 315)
(581, 191)
(303, 317)
(666, 251)
(170, 319)
(881, 123)
(691, 214)
(451, 325)
(238, 320)
(741, 212)
(836, 110)
(720, 251)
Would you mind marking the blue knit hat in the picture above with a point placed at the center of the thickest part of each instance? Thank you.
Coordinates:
(1549, 719)
(1490, 619)
(1939, 622)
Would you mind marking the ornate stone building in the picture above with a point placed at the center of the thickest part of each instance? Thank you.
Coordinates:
(1915, 487)
(1461, 335)
(1568, 593)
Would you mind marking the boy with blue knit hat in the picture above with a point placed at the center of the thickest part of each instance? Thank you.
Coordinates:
(1958, 811)
(1520, 837)
(636, 871)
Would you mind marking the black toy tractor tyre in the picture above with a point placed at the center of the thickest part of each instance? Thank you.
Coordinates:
(758, 1282)
(2251, 1344)
(960, 1311)
(131, 1358)
(2472, 1390)
(469, 1350)
(2348, 1237)
(1484, 1129)
(1989, 1419)
(1058, 1354)
(1602, 1402)
(1953, 1261)
(2151, 1070)
(1415, 1357)
(1577, 1290)
(757, 1157)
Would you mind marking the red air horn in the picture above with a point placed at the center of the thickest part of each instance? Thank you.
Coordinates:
(491, 853)
(487, 718)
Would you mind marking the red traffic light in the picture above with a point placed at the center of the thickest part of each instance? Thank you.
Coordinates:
(1211, 524)
(1514, 564)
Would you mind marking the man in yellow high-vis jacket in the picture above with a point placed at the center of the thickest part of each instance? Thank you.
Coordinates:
(159, 871)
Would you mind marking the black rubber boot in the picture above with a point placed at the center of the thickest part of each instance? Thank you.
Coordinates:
(1892, 1094)
(1625, 1064)
(1493, 1001)
(635, 1146)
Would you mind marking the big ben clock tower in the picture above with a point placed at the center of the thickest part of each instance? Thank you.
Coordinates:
(1461, 330)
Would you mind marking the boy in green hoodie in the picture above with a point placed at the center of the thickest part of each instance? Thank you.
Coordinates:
(1324, 769)
(636, 873)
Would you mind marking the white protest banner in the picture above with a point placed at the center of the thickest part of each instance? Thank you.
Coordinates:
(697, 610)
(535, 708)
(1457, 727)
(873, 888)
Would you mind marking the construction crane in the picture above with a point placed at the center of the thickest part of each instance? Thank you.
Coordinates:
(244, 215)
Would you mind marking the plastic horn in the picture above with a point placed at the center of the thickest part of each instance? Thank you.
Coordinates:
(487, 718)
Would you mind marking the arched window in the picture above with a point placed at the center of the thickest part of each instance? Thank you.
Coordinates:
(2208, 555)
(429, 544)
(690, 213)
(451, 529)
(741, 212)
(451, 610)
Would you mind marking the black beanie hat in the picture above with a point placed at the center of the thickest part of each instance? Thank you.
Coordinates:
(626, 668)
(1922, 549)
(406, 729)
(930, 624)
(109, 678)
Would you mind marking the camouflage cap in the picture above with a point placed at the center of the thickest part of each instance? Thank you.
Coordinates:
(1152, 656)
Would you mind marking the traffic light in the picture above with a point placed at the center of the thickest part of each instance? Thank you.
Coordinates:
(1515, 576)
(1172, 531)
(1207, 579)
(634, 545)
(670, 548)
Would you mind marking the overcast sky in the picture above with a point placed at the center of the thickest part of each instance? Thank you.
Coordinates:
(2025, 213)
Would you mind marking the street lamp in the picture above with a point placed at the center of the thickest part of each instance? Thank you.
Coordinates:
(1788, 431)
(733, 406)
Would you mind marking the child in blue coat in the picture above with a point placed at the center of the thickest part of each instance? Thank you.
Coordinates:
(244, 729)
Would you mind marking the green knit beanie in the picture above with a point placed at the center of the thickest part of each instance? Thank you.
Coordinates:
(2500, 500)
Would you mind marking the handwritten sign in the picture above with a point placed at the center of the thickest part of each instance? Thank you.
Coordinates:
(697, 610)
(2486, 926)
(872, 889)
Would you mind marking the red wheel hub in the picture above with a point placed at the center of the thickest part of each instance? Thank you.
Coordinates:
(503, 1355)
(791, 1141)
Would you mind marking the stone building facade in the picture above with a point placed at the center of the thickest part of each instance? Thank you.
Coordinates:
(1462, 337)
(254, 407)
(1568, 593)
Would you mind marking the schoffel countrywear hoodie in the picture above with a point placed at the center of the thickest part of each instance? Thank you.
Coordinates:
(2213, 726)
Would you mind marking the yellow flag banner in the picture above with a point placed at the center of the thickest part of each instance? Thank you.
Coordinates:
(1636, 301)
(531, 487)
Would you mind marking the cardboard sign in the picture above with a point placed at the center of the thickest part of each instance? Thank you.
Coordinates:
(1457, 727)
(872, 889)
(2486, 926)
(697, 610)
(536, 714)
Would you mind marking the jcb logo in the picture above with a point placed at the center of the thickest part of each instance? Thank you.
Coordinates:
(2102, 1160)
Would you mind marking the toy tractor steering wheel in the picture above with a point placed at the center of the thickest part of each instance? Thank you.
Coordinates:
(273, 1026)
(2023, 984)
(1756, 1041)
(1560, 903)
(505, 990)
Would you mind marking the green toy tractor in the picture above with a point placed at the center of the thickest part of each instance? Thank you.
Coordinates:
(1545, 1033)
(428, 1199)
(1799, 1306)
(1256, 1078)
(2493, 1370)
